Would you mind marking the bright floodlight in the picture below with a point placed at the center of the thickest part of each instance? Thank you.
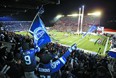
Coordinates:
(95, 13)
(59, 16)
(83, 6)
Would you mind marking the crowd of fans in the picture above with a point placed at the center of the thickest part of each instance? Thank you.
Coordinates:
(79, 64)
(66, 24)
(13, 26)
(71, 23)
(113, 41)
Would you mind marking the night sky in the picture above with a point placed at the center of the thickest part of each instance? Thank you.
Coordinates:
(69, 6)
(27, 9)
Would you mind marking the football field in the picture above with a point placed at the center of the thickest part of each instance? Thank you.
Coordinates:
(89, 42)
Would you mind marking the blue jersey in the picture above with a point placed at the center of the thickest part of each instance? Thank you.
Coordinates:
(54, 66)
(28, 59)
(44, 72)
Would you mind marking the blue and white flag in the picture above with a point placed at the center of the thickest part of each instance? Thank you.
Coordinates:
(112, 53)
(39, 32)
(91, 29)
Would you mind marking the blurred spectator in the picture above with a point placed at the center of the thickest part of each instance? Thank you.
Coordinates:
(28, 60)
(79, 64)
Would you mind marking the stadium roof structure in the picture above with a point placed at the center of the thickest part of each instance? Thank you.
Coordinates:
(27, 9)
(16, 7)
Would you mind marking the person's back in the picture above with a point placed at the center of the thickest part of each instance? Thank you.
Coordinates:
(44, 72)
(28, 60)
(50, 68)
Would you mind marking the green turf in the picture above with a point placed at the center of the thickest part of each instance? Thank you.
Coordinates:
(25, 33)
(69, 39)
(83, 43)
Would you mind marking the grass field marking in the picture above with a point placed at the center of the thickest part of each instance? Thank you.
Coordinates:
(92, 40)
(74, 41)
(106, 45)
(82, 40)
(85, 43)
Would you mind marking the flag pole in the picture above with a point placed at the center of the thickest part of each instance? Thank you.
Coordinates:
(35, 17)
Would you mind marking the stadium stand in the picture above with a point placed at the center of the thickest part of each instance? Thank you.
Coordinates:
(71, 23)
(14, 26)
(79, 64)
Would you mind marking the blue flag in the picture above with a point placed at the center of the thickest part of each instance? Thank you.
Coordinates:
(112, 53)
(39, 32)
(91, 29)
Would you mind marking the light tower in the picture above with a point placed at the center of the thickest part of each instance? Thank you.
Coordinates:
(79, 17)
(82, 15)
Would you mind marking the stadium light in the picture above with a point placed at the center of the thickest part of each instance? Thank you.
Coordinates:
(97, 13)
(59, 16)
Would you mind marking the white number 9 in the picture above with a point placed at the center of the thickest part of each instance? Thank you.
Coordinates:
(28, 60)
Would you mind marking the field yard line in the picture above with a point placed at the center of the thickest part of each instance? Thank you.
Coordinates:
(82, 41)
(62, 38)
(79, 40)
(74, 41)
(106, 45)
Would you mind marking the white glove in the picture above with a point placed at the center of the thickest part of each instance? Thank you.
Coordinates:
(38, 48)
(73, 47)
